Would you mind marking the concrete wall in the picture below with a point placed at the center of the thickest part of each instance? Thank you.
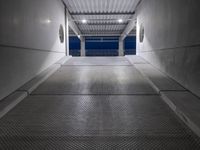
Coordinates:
(29, 40)
(172, 39)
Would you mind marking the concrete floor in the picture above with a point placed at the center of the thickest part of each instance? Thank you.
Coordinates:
(95, 103)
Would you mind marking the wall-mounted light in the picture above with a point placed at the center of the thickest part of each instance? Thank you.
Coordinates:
(120, 20)
(48, 21)
(84, 21)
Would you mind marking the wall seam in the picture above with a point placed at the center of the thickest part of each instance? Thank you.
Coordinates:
(31, 49)
(172, 48)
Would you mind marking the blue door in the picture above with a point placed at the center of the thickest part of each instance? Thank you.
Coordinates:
(101, 46)
(74, 46)
(130, 45)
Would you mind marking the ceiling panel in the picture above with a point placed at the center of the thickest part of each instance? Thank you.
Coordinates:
(102, 18)
(101, 6)
(102, 15)
(102, 27)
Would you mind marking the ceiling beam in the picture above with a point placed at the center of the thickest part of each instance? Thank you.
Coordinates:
(101, 34)
(131, 25)
(71, 23)
(103, 23)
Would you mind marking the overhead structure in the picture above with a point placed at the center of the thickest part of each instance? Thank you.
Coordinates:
(72, 24)
(100, 17)
(131, 25)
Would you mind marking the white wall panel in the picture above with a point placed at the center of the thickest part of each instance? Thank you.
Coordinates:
(31, 24)
(172, 39)
(29, 40)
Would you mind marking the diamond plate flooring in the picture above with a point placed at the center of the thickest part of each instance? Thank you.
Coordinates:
(98, 61)
(125, 121)
(95, 107)
(96, 80)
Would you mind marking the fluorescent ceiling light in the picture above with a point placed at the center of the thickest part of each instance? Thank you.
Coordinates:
(84, 21)
(120, 20)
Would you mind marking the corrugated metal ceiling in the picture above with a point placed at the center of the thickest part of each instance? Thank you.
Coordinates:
(101, 15)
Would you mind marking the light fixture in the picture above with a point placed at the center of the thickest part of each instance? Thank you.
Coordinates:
(84, 21)
(48, 21)
(120, 20)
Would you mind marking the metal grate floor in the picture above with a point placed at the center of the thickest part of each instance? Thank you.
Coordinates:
(95, 143)
(94, 122)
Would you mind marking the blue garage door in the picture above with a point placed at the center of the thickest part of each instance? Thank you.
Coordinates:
(74, 46)
(130, 45)
(101, 46)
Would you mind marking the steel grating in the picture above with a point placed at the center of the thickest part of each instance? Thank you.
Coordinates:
(94, 122)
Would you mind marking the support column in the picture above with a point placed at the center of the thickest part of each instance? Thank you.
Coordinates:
(121, 48)
(83, 52)
(67, 34)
